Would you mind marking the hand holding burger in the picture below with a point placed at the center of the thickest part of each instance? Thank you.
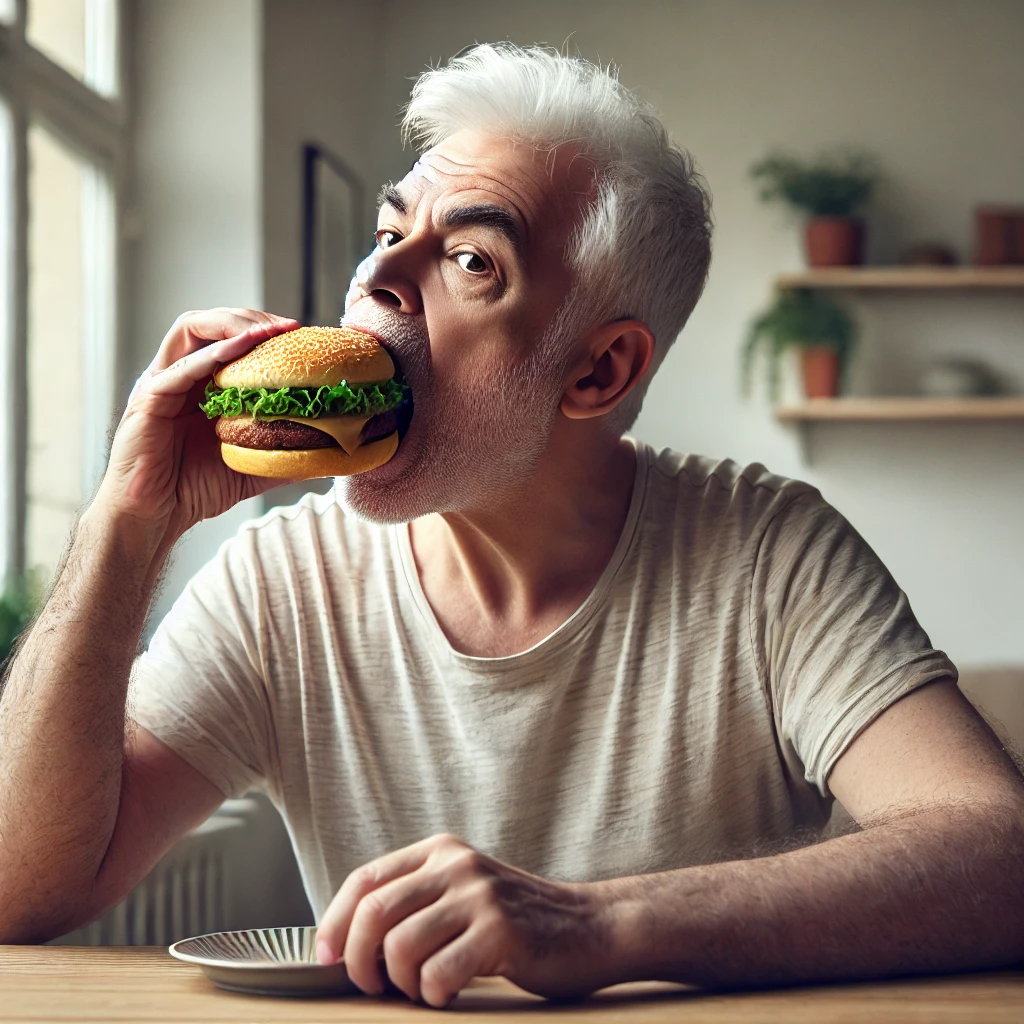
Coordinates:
(165, 471)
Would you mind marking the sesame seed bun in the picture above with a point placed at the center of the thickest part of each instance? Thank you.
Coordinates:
(309, 463)
(309, 357)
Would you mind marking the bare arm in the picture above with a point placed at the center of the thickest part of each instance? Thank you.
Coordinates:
(86, 806)
(934, 882)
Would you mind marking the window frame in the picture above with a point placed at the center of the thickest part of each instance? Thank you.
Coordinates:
(97, 127)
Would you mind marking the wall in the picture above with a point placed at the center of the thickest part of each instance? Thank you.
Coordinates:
(935, 88)
(319, 61)
(196, 210)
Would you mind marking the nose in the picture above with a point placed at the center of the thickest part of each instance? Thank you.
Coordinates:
(384, 277)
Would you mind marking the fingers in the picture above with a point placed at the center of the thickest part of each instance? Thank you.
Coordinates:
(164, 393)
(420, 936)
(201, 364)
(413, 905)
(445, 974)
(373, 921)
(195, 329)
(332, 932)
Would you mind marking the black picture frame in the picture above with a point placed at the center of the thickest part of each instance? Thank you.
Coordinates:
(333, 233)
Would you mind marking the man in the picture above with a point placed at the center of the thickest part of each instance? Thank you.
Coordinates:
(536, 731)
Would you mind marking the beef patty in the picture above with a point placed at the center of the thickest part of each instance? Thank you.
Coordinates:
(248, 432)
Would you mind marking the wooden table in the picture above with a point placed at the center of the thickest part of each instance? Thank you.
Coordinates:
(144, 984)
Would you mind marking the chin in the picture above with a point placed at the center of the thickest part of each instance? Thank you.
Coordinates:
(395, 492)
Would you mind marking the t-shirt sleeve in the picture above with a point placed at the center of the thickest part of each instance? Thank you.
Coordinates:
(835, 638)
(199, 687)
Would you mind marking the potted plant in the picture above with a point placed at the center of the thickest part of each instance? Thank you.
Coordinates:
(820, 328)
(19, 603)
(831, 189)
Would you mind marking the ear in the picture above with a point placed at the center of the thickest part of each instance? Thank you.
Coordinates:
(617, 357)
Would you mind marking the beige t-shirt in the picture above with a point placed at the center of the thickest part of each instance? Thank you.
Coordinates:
(690, 710)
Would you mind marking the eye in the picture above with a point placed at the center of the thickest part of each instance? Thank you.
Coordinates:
(471, 262)
(386, 238)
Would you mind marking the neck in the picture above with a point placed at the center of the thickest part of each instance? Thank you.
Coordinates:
(501, 578)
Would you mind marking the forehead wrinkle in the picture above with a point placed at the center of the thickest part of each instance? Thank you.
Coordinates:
(523, 191)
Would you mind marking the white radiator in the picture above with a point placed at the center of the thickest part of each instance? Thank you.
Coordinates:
(192, 891)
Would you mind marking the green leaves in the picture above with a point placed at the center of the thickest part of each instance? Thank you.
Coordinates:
(337, 400)
(830, 186)
(799, 318)
(21, 599)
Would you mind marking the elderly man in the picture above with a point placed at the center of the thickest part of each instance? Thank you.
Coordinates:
(532, 699)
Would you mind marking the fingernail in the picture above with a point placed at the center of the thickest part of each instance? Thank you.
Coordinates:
(324, 955)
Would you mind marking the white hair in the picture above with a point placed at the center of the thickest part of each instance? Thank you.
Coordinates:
(643, 248)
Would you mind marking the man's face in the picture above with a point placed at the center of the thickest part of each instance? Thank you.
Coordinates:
(468, 271)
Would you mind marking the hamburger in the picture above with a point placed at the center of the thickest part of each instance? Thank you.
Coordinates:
(314, 402)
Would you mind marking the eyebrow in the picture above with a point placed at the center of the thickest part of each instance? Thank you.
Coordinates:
(390, 196)
(489, 216)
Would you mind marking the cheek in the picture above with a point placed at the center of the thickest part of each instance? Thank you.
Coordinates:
(471, 335)
(462, 342)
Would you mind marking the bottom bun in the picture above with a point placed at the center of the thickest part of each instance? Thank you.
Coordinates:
(308, 463)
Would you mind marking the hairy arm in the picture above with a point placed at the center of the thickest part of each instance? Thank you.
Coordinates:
(87, 804)
(933, 882)
(62, 723)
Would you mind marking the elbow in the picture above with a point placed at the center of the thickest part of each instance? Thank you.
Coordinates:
(27, 920)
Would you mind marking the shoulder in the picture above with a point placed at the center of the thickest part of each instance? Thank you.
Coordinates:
(721, 497)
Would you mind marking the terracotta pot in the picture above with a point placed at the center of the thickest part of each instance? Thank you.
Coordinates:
(993, 236)
(821, 371)
(834, 242)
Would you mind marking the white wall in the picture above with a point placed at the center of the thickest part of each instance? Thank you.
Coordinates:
(935, 88)
(321, 57)
(197, 193)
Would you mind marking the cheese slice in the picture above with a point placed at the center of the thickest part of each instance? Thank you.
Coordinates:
(344, 429)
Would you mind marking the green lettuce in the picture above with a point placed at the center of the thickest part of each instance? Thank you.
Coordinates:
(337, 400)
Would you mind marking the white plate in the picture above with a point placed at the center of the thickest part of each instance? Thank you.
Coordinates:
(265, 961)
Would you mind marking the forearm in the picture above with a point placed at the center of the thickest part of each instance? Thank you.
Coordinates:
(941, 891)
(62, 721)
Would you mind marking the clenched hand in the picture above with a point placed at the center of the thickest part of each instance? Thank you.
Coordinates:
(443, 913)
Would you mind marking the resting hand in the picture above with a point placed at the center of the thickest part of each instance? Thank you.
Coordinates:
(442, 914)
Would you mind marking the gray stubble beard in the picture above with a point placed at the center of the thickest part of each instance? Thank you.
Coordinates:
(464, 451)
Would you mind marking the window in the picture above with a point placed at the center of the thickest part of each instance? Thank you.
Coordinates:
(79, 36)
(63, 150)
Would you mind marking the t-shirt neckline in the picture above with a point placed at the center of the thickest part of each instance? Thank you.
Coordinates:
(562, 634)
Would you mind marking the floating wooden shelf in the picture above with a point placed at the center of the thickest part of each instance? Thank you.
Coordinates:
(909, 278)
(879, 409)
